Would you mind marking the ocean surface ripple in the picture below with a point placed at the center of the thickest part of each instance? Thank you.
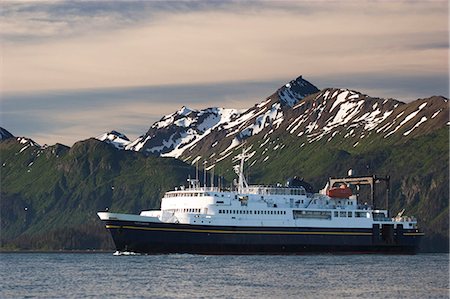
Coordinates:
(102, 275)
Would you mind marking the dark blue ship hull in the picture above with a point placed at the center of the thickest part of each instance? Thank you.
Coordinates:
(161, 238)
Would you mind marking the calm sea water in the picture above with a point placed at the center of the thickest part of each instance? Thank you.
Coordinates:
(68, 275)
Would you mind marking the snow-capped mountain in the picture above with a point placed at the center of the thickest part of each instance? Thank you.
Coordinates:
(176, 132)
(297, 110)
(352, 114)
(119, 140)
(183, 131)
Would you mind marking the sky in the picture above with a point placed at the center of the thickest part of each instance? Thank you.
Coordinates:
(71, 70)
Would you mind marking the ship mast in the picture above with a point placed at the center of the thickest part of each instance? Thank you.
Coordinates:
(242, 183)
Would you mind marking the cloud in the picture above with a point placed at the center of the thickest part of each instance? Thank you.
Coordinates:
(93, 45)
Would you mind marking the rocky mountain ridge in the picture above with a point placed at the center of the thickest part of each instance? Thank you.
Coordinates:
(298, 109)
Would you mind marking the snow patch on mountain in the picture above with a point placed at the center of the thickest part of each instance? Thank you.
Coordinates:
(421, 121)
(407, 118)
(272, 117)
(119, 140)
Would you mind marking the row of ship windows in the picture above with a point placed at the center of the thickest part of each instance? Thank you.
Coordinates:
(336, 213)
(187, 210)
(186, 194)
(252, 212)
(350, 214)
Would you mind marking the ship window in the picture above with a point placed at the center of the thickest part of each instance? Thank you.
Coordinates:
(326, 215)
(350, 214)
(342, 214)
(250, 212)
(362, 214)
(336, 214)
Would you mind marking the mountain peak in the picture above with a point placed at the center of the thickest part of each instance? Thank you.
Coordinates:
(296, 90)
(185, 111)
(4, 134)
(117, 139)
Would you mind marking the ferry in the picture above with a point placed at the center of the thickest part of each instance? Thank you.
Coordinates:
(260, 219)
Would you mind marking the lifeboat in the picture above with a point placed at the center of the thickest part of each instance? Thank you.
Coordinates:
(340, 192)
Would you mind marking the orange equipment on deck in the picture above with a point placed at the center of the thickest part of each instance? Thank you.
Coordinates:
(342, 192)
